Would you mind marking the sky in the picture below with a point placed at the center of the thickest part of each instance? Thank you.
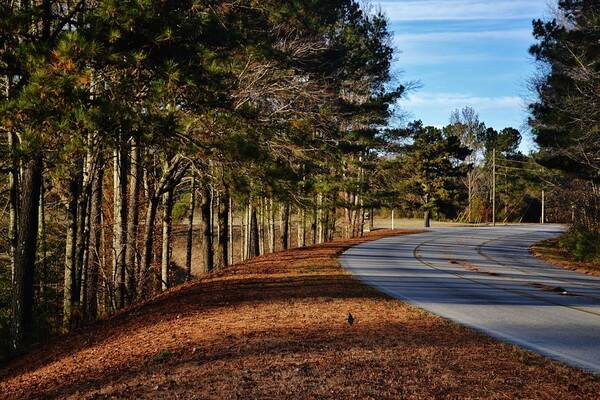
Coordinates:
(466, 53)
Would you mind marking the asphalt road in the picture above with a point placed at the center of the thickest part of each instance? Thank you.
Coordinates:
(485, 278)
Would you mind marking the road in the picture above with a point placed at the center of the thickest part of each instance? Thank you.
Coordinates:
(485, 278)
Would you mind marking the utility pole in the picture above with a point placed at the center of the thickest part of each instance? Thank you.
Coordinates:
(543, 206)
(494, 189)
(393, 227)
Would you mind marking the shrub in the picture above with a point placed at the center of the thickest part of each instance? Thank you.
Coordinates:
(582, 243)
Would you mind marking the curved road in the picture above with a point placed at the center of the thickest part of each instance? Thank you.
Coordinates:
(485, 278)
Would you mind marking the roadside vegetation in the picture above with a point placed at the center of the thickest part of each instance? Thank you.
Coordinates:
(556, 252)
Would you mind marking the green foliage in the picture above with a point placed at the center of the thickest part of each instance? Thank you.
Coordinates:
(565, 117)
(506, 142)
(582, 243)
(162, 356)
(432, 164)
(181, 207)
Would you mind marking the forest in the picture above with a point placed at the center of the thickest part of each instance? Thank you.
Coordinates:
(145, 143)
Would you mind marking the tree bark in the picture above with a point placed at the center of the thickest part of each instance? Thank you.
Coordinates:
(133, 219)
(13, 200)
(320, 228)
(242, 219)
(70, 297)
(43, 248)
(207, 239)
(427, 219)
(314, 225)
(148, 243)
(254, 236)
(224, 228)
(120, 223)
(94, 250)
(25, 251)
(301, 227)
(285, 226)
(271, 226)
(246, 226)
(230, 231)
(166, 238)
(261, 226)
(190, 231)
(82, 237)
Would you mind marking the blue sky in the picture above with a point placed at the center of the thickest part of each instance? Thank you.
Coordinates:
(465, 52)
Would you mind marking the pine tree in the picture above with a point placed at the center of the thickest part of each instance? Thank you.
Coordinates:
(432, 166)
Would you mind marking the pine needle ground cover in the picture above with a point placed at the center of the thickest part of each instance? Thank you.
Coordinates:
(277, 327)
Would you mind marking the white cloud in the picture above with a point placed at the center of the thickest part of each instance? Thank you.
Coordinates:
(436, 37)
(458, 100)
(431, 10)
(412, 57)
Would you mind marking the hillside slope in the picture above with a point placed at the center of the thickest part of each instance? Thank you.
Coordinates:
(276, 327)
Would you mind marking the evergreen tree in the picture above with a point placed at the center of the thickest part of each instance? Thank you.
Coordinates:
(432, 163)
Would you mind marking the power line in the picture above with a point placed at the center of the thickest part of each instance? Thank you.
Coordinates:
(521, 169)
(517, 161)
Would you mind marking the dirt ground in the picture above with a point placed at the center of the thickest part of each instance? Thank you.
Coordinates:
(277, 328)
(550, 251)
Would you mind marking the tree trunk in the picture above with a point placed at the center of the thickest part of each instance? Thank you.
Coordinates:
(133, 220)
(301, 227)
(325, 223)
(362, 221)
(314, 224)
(224, 228)
(332, 223)
(190, 232)
(242, 218)
(285, 226)
(271, 226)
(347, 217)
(166, 239)
(320, 227)
(13, 200)
(427, 218)
(43, 248)
(70, 298)
(470, 196)
(81, 240)
(94, 250)
(148, 243)
(207, 239)
(230, 231)
(247, 231)
(85, 268)
(24, 261)
(120, 223)
(254, 237)
(261, 227)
